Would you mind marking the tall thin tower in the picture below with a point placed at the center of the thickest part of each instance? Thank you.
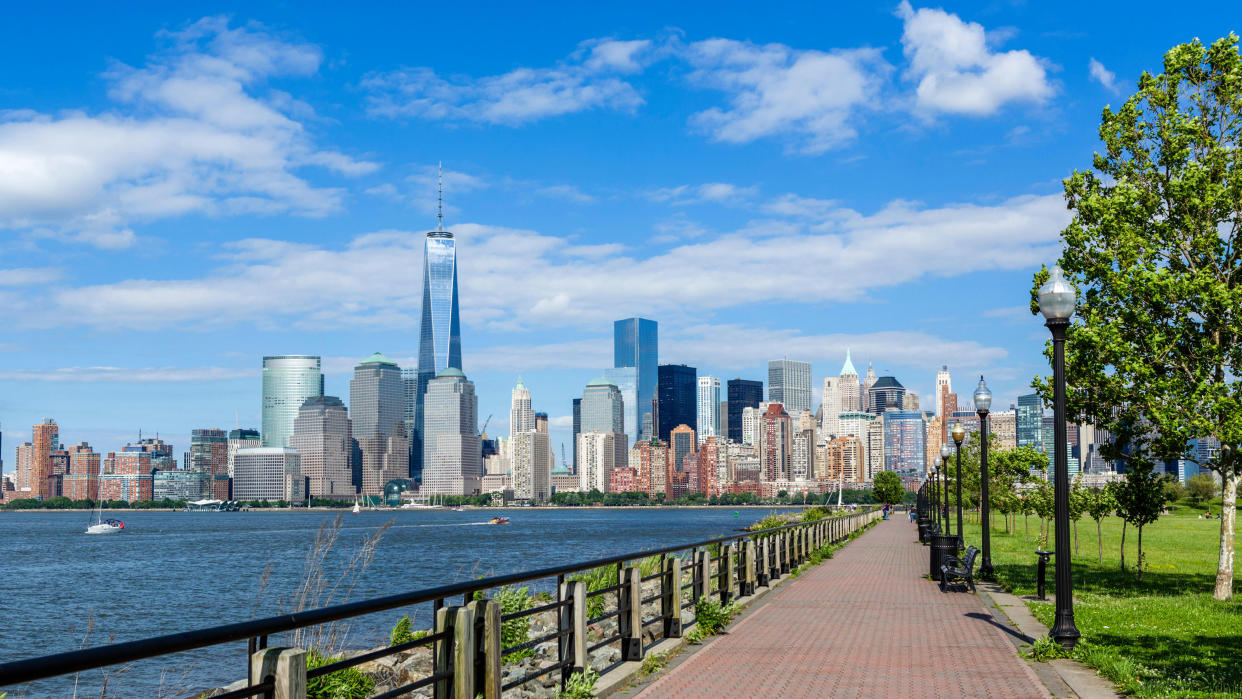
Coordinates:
(439, 342)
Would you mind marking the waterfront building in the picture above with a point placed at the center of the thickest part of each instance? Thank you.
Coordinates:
(846, 460)
(636, 344)
(532, 467)
(288, 380)
(128, 487)
(802, 455)
(377, 415)
(886, 393)
(45, 440)
(681, 443)
(597, 455)
(209, 453)
(452, 458)
(603, 410)
(741, 394)
(676, 398)
(626, 381)
(849, 387)
(946, 401)
(323, 438)
(775, 443)
(180, 485)
(1029, 417)
(564, 482)
(711, 466)
(708, 406)
(751, 425)
(267, 473)
(25, 466)
(622, 480)
(439, 341)
(789, 383)
(521, 415)
(650, 460)
(577, 430)
(931, 446)
(241, 438)
(904, 438)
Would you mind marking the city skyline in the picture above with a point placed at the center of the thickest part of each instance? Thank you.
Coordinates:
(138, 297)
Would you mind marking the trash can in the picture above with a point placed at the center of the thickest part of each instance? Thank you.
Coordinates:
(942, 547)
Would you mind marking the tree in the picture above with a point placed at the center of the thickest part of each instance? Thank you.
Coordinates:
(1077, 506)
(1154, 248)
(1202, 487)
(1040, 499)
(1100, 504)
(1174, 490)
(1140, 497)
(1007, 470)
(887, 488)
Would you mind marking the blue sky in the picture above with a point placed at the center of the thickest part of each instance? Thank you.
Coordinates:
(187, 187)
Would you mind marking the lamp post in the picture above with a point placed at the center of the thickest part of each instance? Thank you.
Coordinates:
(944, 474)
(1056, 303)
(959, 434)
(983, 402)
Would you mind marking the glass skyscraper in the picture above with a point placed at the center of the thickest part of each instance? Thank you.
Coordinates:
(1030, 421)
(677, 398)
(789, 383)
(741, 394)
(288, 380)
(635, 344)
(439, 342)
(626, 380)
(452, 458)
(904, 438)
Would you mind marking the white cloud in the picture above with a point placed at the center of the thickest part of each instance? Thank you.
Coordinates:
(958, 73)
(513, 278)
(810, 98)
(802, 207)
(112, 374)
(587, 79)
(1103, 76)
(189, 133)
(567, 192)
(29, 276)
(706, 193)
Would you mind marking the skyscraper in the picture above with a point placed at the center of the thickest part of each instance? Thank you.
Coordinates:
(708, 400)
(635, 344)
(577, 429)
(1030, 421)
(864, 396)
(439, 341)
(597, 453)
(886, 393)
(521, 416)
(626, 380)
(267, 473)
(603, 411)
(742, 393)
(452, 459)
(322, 438)
(45, 440)
(775, 444)
(849, 387)
(241, 438)
(681, 443)
(209, 455)
(377, 407)
(904, 432)
(288, 380)
(789, 383)
(532, 466)
(830, 407)
(677, 401)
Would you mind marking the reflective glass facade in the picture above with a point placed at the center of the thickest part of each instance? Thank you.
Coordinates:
(1030, 421)
(742, 393)
(904, 435)
(635, 344)
(676, 390)
(439, 343)
(288, 380)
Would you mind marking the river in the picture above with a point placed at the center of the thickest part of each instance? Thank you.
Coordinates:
(177, 571)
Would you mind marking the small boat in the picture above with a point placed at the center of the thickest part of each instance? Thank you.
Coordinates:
(498, 520)
(104, 526)
(357, 509)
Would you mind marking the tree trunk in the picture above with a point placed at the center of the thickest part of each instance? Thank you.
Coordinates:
(1123, 543)
(1075, 537)
(1140, 553)
(1099, 539)
(1026, 521)
(1224, 566)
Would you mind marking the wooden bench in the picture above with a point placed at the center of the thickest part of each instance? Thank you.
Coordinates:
(956, 570)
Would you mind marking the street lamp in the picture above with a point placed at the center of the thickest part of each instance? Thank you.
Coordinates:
(983, 401)
(959, 434)
(1056, 302)
(944, 507)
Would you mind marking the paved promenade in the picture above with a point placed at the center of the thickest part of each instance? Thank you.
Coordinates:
(864, 624)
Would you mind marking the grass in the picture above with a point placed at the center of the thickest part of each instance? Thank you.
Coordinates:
(1162, 637)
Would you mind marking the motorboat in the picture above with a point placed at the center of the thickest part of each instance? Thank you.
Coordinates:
(498, 520)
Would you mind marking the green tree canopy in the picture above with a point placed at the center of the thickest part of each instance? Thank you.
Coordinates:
(887, 488)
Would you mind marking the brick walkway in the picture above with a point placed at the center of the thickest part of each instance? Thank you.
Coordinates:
(864, 624)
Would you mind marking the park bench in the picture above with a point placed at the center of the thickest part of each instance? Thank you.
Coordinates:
(956, 570)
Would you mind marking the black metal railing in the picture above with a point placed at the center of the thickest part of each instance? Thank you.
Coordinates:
(469, 636)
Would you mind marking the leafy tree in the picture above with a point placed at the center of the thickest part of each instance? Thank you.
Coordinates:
(1008, 469)
(1100, 504)
(1140, 498)
(1042, 504)
(1202, 487)
(1154, 248)
(887, 488)
(1174, 490)
(1077, 506)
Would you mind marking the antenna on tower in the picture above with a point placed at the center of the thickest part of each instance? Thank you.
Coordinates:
(440, 199)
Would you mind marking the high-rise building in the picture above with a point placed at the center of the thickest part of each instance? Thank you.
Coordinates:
(46, 439)
(846, 461)
(910, 401)
(944, 407)
(864, 396)
(532, 468)
(904, 435)
(377, 416)
(1003, 426)
(1030, 414)
(452, 459)
(577, 429)
(886, 393)
(708, 400)
(874, 451)
(650, 461)
(288, 380)
(830, 407)
(854, 423)
(711, 463)
(209, 452)
(636, 344)
(789, 383)
(597, 453)
(521, 415)
(322, 436)
(241, 438)
(82, 481)
(802, 455)
(267, 473)
(742, 393)
(603, 410)
(25, 466)
(681, 443)
(676, 398)
(751, 425)
(439, 341)
(850, 388)
(626, 380)
(775, 443)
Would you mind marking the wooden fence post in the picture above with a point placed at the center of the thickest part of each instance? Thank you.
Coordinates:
(724, 574)
(573, 617)
(670, 599)
(286, 666)
(630, 620)
(488, 661)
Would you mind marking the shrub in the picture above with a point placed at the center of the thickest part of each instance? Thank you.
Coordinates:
(514, 632)
(653, 663)
(580, 685)
(1045, 649)
(401, 633)
(350, 683)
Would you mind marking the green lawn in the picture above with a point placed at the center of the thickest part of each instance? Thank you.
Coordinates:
(1162, 637)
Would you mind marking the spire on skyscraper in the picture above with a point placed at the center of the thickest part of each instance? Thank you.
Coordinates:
(848, 368)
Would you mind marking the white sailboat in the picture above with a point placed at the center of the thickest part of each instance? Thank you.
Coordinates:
(357, 509)
(99, 525)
